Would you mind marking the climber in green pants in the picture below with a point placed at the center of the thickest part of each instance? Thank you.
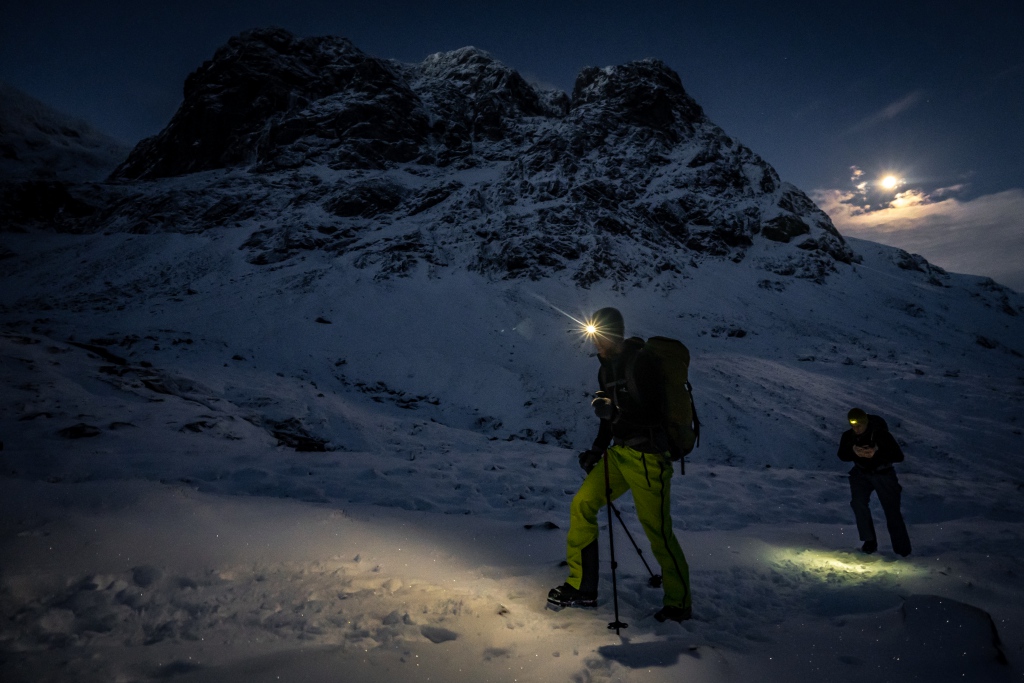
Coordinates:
(631, 417)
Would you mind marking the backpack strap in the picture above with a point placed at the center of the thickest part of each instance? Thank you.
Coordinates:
(696, 420)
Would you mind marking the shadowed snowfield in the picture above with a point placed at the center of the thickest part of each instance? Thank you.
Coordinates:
(217, 471)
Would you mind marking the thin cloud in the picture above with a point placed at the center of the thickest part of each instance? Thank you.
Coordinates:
(1010, 72)
(983, 236)
(887, 113)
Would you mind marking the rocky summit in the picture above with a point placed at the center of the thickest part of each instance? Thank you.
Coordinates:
(453, 163)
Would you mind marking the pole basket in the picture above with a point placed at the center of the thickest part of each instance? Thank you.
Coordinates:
(616, 625)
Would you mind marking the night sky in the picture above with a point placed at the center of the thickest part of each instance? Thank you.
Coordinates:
(836, 96)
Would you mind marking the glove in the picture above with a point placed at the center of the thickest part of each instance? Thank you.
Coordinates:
(603, 407)
(588, 459)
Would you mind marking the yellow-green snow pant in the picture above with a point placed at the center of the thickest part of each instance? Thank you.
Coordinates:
(648, 476)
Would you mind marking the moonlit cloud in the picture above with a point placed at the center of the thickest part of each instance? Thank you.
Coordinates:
(983, 236)
(881, 193)
(887, 113)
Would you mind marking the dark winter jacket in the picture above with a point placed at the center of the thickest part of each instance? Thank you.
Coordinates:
(638, 397)
(877, 434)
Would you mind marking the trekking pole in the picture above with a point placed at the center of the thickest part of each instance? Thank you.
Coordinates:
(611, 546)
(655, 580)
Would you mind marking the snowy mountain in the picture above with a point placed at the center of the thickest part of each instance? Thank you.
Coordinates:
(37, 143)
(338, 280)
(458, 163)
(45, 156)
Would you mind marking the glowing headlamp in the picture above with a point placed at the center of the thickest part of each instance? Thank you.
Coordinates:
(590, 329)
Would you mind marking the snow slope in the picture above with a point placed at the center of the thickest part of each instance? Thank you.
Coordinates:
(37, 143)
(187, 539)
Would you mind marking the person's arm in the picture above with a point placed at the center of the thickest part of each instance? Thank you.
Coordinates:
(846, 453)
(604, 437)
(889, 450)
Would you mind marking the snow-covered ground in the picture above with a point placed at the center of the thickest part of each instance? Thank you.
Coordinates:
(216, 471)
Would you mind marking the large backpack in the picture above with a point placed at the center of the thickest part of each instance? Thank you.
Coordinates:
(682, 426)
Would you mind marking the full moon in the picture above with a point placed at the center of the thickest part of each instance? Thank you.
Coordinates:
(890, 181)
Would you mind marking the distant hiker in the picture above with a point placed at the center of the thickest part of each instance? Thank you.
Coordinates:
(873, 450)
(632, 439)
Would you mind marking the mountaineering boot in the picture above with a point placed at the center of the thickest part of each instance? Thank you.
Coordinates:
(869, 546)
(674, 613)
(584, 596)
(567, 596)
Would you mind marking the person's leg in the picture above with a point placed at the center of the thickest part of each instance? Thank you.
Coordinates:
(860, 495)
(887, 484)
(581, 541)
(649, 478)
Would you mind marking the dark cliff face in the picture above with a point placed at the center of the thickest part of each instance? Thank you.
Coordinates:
(265, 91)
(272, 101)
(477, 98)
(645, 93)
(636, 166)
(459, 163)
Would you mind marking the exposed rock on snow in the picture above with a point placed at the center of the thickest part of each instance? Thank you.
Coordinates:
(451, 164)
(940, 623)
(266, 97)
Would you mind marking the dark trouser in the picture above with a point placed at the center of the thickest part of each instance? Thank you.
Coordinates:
(885, 483)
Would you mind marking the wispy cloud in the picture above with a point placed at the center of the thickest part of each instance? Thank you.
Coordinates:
(983, 236)
(1010, 72)
(887, 113)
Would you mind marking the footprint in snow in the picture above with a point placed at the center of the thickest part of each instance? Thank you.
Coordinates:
(436, 634)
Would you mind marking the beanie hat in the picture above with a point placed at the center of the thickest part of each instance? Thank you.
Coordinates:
(609, 323)
(856, 416)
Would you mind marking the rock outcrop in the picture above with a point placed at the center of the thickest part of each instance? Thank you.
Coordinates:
(458, 163)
